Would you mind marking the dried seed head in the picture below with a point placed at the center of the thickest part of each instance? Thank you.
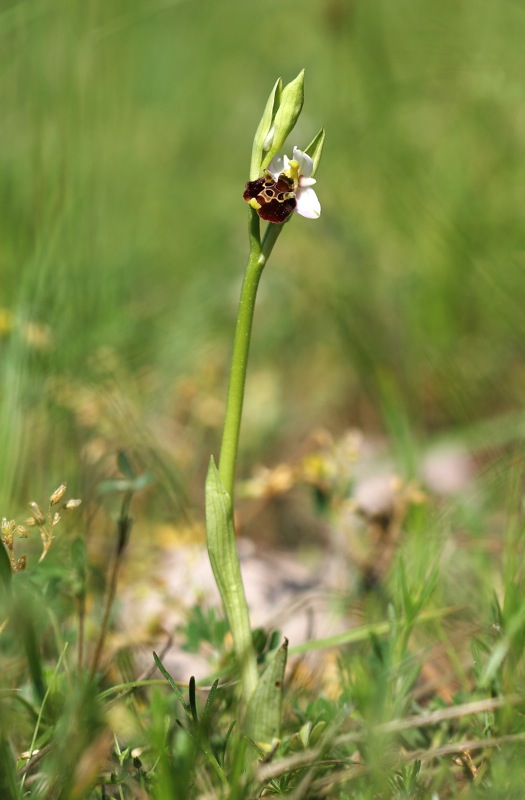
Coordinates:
(58, 494)
(19, 565)
(37, 513)
(8, 526)
(73, 503)
(22, 531)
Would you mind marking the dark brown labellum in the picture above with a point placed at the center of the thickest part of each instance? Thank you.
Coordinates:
(274, 200)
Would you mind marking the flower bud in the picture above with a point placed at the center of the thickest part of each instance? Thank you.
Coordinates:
(74, 503)
(265, 132)
(38, 514)
(286, 116)
(57, 495)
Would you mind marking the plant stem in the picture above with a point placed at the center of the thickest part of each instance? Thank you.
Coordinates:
(124, 523)
(220, 525)
(259, 254)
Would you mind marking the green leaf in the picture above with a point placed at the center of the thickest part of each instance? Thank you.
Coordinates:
(263, 716)
(224, 560)
(79, 556)
(193, 700)
(125, 465)
(204, 626)
(24, 604)
(304, 734)
(211, 697)
(364, 632)
(5, 569)
(178, 694)
(227, 739)
(315, 149)
(9, 783)
(134, 485)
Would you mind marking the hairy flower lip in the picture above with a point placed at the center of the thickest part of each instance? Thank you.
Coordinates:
(273, 199)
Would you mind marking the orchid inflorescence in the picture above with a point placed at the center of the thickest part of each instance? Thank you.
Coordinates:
(280, 185)
(45, 522)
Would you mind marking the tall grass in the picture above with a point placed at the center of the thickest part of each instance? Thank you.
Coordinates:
(122, 123)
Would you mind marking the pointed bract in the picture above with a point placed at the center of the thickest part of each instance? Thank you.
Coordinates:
(315, 149)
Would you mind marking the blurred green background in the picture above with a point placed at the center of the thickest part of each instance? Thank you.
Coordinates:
(126, 130)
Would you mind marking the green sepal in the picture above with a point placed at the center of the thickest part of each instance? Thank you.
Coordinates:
(265, 126)
(263, 716)
(287, 115)
(224, 560)
(315, 149)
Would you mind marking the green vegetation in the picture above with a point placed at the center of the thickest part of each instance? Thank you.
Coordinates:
(126, 130)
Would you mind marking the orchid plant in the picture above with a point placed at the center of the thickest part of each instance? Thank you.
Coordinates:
(278, 186)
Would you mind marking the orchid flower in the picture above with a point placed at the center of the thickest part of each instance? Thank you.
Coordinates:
(285, 187)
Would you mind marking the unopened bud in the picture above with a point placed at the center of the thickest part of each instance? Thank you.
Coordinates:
(73, 503)
(287, 114)
(38, 514)
(56, 518)
(57, 495)
(261, 141)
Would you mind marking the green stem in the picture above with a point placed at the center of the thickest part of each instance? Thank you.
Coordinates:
(259, 254)
(220, 528)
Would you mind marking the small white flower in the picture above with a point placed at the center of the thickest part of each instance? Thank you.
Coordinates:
(299, 169)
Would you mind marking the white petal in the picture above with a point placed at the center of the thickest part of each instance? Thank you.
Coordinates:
(276, 166)
(306, 164)
(269, 139)
(308, 204)
(304, 182)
